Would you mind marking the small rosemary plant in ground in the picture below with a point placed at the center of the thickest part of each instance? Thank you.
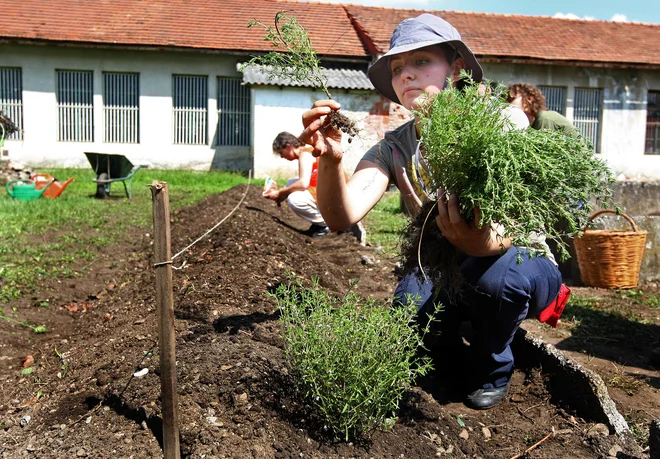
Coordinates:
(295, 59)
(352, 358)
(529, 181)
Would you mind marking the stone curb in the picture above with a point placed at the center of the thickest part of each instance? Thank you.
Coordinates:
(578, 387)
(575, 387)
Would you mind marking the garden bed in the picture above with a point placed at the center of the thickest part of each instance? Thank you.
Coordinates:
(234, 391)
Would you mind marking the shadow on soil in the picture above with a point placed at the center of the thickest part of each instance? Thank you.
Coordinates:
(276, 219)
(610, 336)
(247, 322)
(153, 423)
(285, 402)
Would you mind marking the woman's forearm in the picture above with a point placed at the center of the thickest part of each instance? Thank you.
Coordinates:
(333, 195)
(343, 203)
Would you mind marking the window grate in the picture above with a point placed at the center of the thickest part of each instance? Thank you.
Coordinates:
(11, 99)
(75, 104)
(233, 112)
(652, 144)
(121, 107)
(555, 98)
(190, 97)
(587, 114)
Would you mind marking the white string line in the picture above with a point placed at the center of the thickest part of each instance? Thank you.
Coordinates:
(221, 221)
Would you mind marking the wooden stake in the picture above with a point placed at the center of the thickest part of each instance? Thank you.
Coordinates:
(165, 305)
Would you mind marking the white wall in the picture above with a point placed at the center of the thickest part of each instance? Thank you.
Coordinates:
(40, 146)
(277, 110)
(623, 125)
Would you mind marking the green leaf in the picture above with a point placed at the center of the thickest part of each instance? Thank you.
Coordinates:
(26, 371)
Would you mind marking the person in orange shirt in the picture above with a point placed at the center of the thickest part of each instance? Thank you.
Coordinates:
(300, 192)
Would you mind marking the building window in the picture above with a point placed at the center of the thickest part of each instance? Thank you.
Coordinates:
(121, 107)
(190, 97)
(555, 98)
(11, 99)
(233, 112)
(75, 106)
(652, 146)
(587, 112)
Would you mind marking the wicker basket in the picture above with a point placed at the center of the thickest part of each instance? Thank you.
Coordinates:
(610, 258)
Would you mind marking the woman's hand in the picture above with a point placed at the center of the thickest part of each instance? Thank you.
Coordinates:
(325, 139)
(467, 237)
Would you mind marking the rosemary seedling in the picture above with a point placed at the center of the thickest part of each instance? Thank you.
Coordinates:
(352, 358)
(294, 59)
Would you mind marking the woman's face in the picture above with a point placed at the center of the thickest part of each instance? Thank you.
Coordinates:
(288, 153)
(420, 72)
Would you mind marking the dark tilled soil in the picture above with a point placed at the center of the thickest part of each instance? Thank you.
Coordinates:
(234, 392)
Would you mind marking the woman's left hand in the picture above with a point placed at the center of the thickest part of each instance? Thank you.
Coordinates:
(467, 237)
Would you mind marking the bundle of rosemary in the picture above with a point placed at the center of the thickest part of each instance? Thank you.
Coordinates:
(532, 182)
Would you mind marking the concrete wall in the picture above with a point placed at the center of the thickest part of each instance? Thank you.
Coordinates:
(277, 110)
(641, 202)
(623, 125)
(40, 119)
(274, 110)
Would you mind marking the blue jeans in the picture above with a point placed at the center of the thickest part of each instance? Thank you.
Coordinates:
(498, 294)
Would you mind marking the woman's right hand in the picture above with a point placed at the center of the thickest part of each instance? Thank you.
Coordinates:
(325, 139)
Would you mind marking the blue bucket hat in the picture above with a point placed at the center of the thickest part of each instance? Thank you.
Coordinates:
(415, 33)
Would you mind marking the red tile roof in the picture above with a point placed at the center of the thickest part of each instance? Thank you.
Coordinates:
(528, 37)
(221, 25)
(202, 24)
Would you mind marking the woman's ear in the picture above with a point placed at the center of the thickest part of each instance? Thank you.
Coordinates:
(456, 67)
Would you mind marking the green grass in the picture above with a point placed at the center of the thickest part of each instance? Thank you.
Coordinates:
(42, 238)
(385, 223)
(638, 296)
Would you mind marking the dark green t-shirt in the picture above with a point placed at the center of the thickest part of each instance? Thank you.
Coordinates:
(548, 119)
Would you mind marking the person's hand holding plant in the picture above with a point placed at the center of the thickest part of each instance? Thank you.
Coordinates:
(468, 237)
(318, 133)
(275, 195)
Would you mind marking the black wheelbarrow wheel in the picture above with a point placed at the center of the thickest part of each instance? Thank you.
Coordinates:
(102, 189)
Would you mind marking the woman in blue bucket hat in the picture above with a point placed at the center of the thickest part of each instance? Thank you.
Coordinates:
(425, 52)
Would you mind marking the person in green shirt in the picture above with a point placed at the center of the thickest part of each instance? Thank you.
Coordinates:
(532, 101)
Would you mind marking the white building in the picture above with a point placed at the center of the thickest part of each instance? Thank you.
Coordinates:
(161, 86)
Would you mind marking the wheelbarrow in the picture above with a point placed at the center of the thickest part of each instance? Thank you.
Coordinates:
(111, 168)
(25, 190)
(54, 186)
